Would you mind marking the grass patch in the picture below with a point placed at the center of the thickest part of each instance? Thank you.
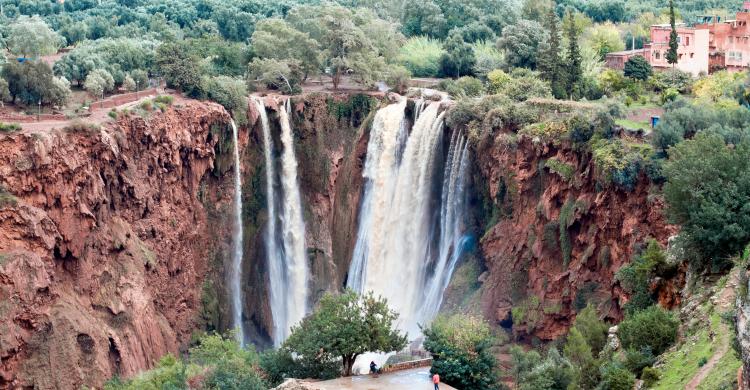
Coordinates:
(9, 127)
(563, 169)
(681, 365)
(724, 374)
(633, 125)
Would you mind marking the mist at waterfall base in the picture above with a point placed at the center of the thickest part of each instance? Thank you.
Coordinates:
(285, 232)
(411, 231)
(235, 275)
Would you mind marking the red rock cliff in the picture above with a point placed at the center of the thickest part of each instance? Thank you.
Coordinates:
(544, 271)
(102, 246)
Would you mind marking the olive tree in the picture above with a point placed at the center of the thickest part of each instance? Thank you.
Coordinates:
(31, 37)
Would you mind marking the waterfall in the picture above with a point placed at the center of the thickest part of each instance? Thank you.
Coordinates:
(452, 229)
(397, 252)
(285, 232)
(237, 243)
(293, 231)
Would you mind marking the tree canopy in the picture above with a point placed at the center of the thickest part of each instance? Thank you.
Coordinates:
(345, 326)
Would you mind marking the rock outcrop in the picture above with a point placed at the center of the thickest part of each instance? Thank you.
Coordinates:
(103, 245)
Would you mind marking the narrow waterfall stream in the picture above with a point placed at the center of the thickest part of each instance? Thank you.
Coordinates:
(285, 232)
(237, 244)
(411, 227)
(293, 232)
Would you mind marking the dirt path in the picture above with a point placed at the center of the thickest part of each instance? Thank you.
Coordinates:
(726, 297)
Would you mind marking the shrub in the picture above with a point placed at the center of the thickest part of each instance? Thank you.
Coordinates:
(488, 58)
(593, 329)
(460, 346)
(702, 361)
(580, 129)
(496, 81)
(619, 162)
(112, 114)
(397, 78)
(707, 190)
(164, 99)
(9, 127)
(615, 377)
(650, 376)
(81, 126)
(653, 328)
(637, 360)
(672, 78)
(637, 68)
(421, 56)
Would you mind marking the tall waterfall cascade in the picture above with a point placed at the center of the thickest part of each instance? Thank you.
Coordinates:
(285, 233)
(235, 276)
(411, 225)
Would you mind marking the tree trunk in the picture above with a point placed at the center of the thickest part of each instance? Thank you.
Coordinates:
(336, 80)
(348, 362)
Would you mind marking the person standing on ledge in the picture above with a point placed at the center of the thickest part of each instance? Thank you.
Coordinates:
(436, 381)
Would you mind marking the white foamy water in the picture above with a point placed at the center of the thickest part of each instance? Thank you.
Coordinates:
(235, 276)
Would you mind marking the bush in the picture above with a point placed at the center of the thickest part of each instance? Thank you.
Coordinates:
(702, 361)
(650, 376)
(164, 99)
(496, 81)
(581, 129)
(81, 126)
(460, 347)
(9, 127)
(707, 190)
(421, 56)
(672, 79)
(637, 360)
(397, 77)
(653, 328)
(615, 377)
(637, 68)
(169, 373)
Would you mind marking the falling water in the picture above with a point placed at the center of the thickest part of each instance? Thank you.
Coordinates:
(285, 233)
(293, 232)
(396, 242)
(452, 229)
(236, 272)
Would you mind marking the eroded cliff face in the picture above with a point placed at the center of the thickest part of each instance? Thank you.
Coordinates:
(104, 245)
(554, 241)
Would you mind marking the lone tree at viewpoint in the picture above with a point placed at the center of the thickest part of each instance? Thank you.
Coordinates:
(346, 326)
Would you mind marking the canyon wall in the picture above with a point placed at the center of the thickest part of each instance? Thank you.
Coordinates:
(103, 245)
(113, 243)
(554, 235)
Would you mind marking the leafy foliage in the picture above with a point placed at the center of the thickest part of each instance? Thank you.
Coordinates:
(708, 194)
(31, 37)
(522, 42)
(345, 326)
(460, 347)
(653, 328)
(638, 68)
(421, 56)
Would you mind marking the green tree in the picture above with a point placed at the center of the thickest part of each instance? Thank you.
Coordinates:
(708, 194)
(283, 75)
(603, 39)
(653, 327)
(129, 84)
(616, 377)
(593, 329)
(180, 68)
(140, 77)
(99, 82)
(229, 92)
(458, 58)
(573, 59)
(638, 68)
(460, 347)
(522, 42)
(578, 352)
(550, 62)
(345, 326)
(29, 82)
(672, 52)
(31, 37)
(277, 39)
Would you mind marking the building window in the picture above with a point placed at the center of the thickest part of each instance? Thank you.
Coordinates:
(687, 41)
(679, 39)
(731, 39)
(692, 55)
(657, 55)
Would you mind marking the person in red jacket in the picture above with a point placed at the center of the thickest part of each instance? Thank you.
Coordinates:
(436, 381)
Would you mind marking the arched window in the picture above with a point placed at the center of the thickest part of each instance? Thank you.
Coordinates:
(657, 55)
